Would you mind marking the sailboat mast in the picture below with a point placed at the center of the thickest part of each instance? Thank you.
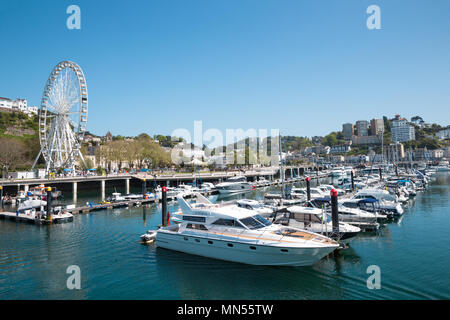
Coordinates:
(281, 168)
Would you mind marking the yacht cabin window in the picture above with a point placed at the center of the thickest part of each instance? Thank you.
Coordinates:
(196, 226)
(255, 222)
(350, 204)
(228, 223)
(305, 217)
(363, 196)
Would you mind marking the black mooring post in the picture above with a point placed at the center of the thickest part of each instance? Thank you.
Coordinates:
(144, 187)
(308, 188)
(353, 181)
(396, 170)
(334, 211)
(144, 215)
(164, 205)
(1, 198)
(49, 204)
(381, 173)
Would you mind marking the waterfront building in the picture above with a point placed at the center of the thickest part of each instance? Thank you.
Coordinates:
(356, 159)
(446, 152)
(376, 127)
(337, 159)
(361, 140)
(421, 154)
(340, 149)
(401, 130)
(437, 154)
(443, 134)
(347, 131)
(394, 152)
(362, 128)
(320, 149)
(91, 138)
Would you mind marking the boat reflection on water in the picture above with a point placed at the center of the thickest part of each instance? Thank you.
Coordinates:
(195, 277)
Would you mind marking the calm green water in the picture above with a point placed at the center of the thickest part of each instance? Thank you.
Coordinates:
(412, 253)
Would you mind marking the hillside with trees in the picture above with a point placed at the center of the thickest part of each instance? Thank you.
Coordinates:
(19, 140)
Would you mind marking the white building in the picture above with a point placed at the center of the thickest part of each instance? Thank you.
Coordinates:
(20, 105)
(446, 152)
(437, 154)
(443, 134)
(401, 130)
(6, 103)
(340, 149)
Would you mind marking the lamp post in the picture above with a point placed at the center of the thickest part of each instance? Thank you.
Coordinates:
(4, 172)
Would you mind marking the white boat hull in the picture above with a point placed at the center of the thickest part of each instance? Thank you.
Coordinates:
(233, 190)
(241, 252)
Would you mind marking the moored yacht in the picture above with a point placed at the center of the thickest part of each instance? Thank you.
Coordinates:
(337, 173)
(227, 232)
(314, 220)
(208, 187)
(171, 192)
(234, 185)
(116, 197)
(259, 207)
(387, 202)
(28, 203)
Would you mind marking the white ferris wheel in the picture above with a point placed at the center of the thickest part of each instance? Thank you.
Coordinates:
(63, 116)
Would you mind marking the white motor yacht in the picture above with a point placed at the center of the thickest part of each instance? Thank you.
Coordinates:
(351, 215)
(133, 196)
(387, 202)
(263, 182)
(30, 203)
(234, 185)
(171, 192)
(227, 232)
(262, 209)
(314, 220)
(208, 187)
(116, 197)
(302, 193)
(326, 189)
(348, 213)
(443, 166)
(337, 173)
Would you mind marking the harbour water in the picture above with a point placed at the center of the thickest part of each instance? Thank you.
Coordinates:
(412, 254)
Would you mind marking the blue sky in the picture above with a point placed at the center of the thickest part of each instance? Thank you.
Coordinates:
(304, 67)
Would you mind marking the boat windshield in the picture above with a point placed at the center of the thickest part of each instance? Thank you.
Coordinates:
(255, 222)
